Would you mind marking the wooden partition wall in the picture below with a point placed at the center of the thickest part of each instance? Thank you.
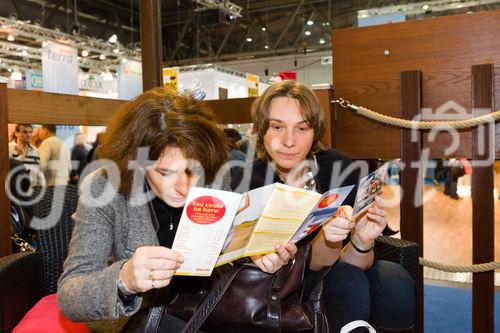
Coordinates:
(445, 68)
(34, 107)
(366, 70)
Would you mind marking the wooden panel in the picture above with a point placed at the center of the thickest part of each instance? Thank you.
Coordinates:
(232, 111)
(483, 232)
(325, 96)
(5, 242)
(443, 48)
(151, 43)
(412, 215)
(35, 107)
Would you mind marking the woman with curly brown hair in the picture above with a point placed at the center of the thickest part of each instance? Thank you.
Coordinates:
(154, 149)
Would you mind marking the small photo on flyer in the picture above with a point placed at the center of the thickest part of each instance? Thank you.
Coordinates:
(369, 187)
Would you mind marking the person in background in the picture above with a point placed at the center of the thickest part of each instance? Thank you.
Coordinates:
(289, 123)
(92, 155)
(21, 149)
(233, 138)
(79, 156)
(453, 171)
(439, 172)
(55, 157)
(247, 145)
(120, 255)
(93, 162)
(19, 181)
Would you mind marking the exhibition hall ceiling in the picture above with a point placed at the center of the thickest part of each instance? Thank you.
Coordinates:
(202, 31)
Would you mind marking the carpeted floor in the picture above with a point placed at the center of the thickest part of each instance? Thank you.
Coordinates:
(449, 310)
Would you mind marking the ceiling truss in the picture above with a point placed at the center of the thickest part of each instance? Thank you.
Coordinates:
(272, 27)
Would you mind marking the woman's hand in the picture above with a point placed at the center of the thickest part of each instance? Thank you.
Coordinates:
(371, 225)
(339, 226)
(271, 262)
(150, 267)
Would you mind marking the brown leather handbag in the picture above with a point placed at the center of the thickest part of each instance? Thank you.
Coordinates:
(245, 299)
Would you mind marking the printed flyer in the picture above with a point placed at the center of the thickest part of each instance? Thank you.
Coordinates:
(205, 222)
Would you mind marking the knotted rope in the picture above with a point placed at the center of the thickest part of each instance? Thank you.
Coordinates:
(450, 268)
(415, 124)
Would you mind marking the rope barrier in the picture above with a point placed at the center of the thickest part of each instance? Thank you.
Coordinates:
(414, 124)
(462, 269)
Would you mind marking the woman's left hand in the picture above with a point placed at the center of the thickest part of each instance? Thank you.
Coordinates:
(271, 262)
(371, 225)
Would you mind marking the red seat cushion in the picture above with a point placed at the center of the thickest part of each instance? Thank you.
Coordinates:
(45, 316)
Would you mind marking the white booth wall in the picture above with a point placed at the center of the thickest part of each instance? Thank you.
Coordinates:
(211, 79)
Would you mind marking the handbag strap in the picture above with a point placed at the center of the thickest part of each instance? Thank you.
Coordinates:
(317, 292)
(273, 322)
(153, 319)
(210, 302)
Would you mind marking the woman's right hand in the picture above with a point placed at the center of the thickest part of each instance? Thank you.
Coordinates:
(339, 226)
(150, 267)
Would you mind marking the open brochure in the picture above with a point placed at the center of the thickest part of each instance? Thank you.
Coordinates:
(217, 227)
(240, 225)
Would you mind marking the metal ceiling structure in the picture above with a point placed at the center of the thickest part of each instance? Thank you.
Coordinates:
(193, 32)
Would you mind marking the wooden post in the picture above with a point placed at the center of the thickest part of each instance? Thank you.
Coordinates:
(5, 241)
(325, 97)
(411, 179)
(151, 43)
(483, 223)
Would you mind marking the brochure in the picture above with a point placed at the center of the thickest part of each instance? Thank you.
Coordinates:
(369, 187)
(240, 225)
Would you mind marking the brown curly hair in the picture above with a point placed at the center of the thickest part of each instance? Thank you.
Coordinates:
(159, 118)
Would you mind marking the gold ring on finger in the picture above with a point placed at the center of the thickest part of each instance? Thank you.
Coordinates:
(151, 273)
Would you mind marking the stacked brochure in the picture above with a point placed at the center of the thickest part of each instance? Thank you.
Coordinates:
(217, 227)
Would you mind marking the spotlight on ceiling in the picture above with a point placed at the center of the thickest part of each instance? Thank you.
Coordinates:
(113, 39)
(85, 53)
(214, 17)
